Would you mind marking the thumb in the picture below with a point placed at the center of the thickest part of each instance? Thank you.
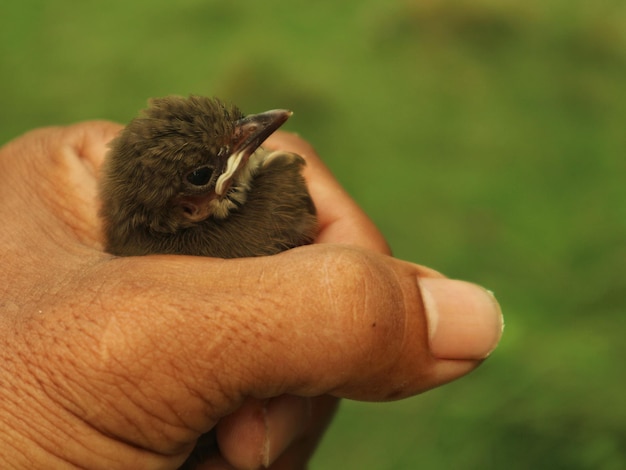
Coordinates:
(357, 325)
(315, 320)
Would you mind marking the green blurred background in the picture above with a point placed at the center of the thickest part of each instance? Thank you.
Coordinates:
(486, 138)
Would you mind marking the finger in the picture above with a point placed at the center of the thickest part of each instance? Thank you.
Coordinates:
(59, 166)
(341, 219)
(90, 140)
(260, 430)
(274, 433)
(81, 149)
(86, 140)
(299, 453)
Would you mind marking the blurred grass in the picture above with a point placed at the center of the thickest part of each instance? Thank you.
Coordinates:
(486, 138)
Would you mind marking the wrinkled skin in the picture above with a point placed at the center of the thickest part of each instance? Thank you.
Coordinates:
(123, 362)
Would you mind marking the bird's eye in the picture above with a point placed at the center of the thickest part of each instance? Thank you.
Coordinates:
(200, 176)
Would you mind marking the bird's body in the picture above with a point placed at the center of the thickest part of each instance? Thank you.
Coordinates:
(252, 203)
(189, 177)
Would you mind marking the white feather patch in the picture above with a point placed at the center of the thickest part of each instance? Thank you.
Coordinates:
(238, 189)
(232, 164)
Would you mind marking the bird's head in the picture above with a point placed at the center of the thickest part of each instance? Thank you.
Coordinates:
(185, 160)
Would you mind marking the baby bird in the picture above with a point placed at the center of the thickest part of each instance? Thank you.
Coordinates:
(189, 177)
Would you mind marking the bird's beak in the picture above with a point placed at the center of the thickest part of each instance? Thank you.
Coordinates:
(250, 132)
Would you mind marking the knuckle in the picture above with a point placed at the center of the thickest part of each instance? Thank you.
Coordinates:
(367, 290)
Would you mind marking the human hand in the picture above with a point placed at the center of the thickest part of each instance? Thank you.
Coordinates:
(123, 362)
